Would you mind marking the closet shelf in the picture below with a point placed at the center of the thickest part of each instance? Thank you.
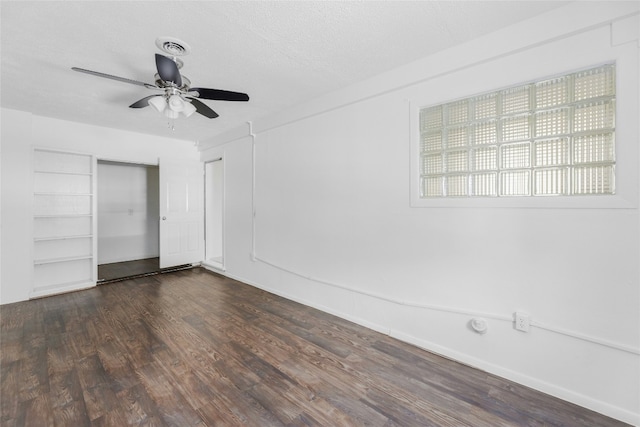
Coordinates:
(64, 173)
(62, 259)
(50, 193)
(46, 239)
(64, 216)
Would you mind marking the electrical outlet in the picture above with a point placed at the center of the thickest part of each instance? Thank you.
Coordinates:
(522, 321)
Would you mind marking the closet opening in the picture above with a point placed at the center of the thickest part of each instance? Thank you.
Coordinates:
(128, 209)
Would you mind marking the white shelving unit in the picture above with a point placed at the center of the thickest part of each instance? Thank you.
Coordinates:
(63, 222)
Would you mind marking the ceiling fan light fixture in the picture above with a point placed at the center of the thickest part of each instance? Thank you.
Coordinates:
(158, 103)
(176, 103)
(188, 109)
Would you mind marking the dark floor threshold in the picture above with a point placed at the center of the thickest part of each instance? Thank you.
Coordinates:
(151, 273)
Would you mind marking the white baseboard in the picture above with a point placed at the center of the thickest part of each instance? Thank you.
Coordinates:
(55, 290)
(214, 266)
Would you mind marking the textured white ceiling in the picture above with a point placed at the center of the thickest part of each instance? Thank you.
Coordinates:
(280, 53)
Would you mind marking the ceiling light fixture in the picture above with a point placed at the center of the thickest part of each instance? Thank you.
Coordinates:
(173, 103)
(158, 103)
(188, 109)
(172, 106)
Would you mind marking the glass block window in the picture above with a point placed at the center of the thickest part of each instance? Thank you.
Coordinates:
(546, 138)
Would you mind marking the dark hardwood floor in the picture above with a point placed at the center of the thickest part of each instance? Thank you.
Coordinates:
(192, 348)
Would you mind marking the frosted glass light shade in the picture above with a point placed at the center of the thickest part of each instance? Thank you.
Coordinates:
(189, 109)
(176, 103)
(158, 103)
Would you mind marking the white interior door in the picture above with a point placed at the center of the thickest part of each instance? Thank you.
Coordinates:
(181, 213)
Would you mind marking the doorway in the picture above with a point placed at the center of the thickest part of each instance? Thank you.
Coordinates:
(128, 209)
(214, 213)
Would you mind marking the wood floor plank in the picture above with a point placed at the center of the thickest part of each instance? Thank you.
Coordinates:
(36, 412)
(67, 399)
(213, 414)
(282, 409)
(9, 386)
(172, 406)
(343, 392)
(318, 409)
(34, 377)
(100, 400)
(230, 401)
(12, 346)
(138, 408)
(192, 348)
(116, 366)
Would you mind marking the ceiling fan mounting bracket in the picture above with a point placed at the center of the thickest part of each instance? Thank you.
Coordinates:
(173, 46)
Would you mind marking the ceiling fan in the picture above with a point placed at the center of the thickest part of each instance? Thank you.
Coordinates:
(176, 94)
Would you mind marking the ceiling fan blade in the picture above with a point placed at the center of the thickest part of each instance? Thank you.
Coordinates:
(109, 76)
(219, 95)
(168, 70)
(203, 109)
(144, 102)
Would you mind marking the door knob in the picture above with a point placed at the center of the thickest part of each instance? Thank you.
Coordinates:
(164, 218)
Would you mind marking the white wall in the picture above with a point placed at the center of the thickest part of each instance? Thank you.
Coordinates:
(21, 132)
(329, 183)
(128, 212)
(17, 190)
